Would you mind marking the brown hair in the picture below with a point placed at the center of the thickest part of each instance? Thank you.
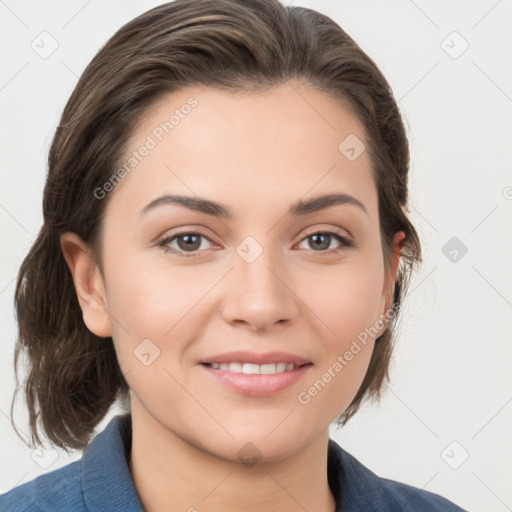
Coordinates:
(233, 45)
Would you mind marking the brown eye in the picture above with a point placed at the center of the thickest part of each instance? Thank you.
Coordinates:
(187, 242)
(190, 242)
(321, 241)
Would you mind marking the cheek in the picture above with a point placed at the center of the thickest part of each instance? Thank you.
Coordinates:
(346, 353)
(345, 298)
(152, 300)
(152, 296)
(347, 301)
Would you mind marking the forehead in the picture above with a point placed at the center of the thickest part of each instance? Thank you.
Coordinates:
(247, 149)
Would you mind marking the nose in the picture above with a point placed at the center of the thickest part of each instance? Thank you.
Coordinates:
(260, 294)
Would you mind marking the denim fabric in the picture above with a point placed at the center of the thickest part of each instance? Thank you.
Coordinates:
(101, 482)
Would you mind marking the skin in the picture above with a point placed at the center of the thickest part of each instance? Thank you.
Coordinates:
(257, 154)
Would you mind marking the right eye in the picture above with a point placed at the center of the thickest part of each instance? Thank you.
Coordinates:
(187, 242)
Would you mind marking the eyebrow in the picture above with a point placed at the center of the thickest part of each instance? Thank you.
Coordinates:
(300, 207)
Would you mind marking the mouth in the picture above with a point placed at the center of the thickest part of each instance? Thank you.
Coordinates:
(256, 378)
(256, 369)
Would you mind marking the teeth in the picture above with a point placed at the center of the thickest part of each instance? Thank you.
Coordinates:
(254, 369)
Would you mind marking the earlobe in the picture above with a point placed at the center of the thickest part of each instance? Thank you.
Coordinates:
(88, 283)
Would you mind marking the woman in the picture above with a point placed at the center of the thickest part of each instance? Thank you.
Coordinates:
(225, 249)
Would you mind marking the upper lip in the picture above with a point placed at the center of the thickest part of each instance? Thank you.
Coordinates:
(256, 358)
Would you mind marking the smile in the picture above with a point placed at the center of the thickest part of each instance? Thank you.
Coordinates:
(254, 369)
(256, 380)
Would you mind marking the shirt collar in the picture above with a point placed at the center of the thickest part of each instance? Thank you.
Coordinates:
(106, 480)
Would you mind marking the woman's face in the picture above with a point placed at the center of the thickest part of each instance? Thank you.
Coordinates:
(183, 286)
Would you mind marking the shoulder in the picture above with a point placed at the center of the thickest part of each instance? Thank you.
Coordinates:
(57, 491)
(413, 498)
(99, 481)
(360, 489)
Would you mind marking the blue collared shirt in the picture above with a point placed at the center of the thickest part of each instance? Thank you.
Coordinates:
(101, 482)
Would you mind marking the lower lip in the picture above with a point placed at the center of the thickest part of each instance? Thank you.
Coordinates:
(256, 384)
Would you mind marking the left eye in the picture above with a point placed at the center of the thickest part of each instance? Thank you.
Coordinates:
(322, 240)
(191, 242)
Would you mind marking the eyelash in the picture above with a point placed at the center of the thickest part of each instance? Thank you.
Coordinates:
(345, 242)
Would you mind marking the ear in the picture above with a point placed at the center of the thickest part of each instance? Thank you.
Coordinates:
(389, 283)
(88, 282)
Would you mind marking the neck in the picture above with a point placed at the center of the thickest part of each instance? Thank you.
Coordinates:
(171, 472)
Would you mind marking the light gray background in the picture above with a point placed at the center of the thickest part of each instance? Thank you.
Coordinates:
(450, 394)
